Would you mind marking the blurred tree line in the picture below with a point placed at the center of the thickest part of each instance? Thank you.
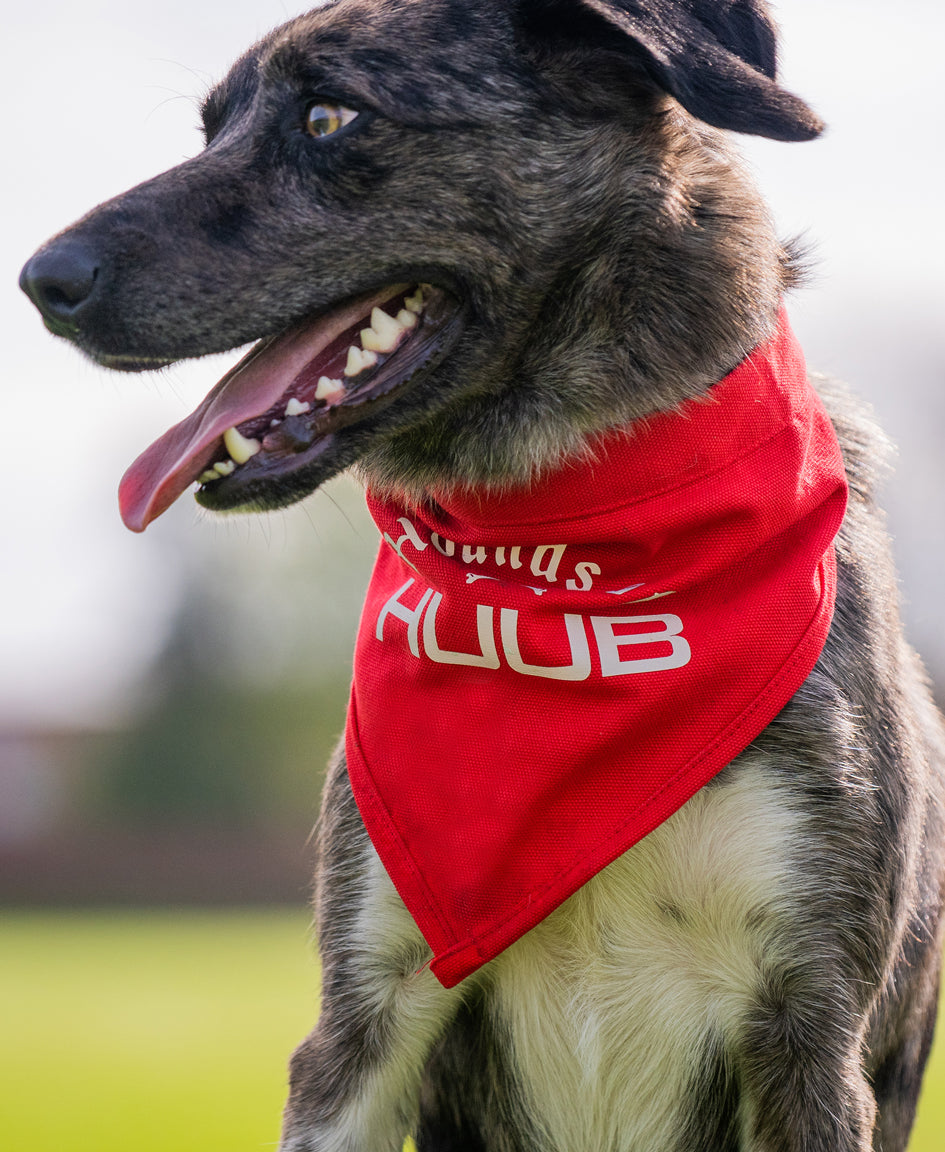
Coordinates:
(209, 789)
(247, 699)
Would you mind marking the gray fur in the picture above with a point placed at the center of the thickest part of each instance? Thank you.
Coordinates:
(552, 163)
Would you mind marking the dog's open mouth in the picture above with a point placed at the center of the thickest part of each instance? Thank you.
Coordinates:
(279, 407)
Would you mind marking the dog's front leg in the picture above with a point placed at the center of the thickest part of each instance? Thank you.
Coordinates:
(804, 1093)
(355, 1081)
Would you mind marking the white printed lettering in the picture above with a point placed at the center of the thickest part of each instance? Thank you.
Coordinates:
(410, 534)
(609, 644)
(550, 571)
(479, 555)
(586, 571)
(655, 596)
(578, 669)
(444, 547)
(609, 641)
(488, 657)
(410, 616)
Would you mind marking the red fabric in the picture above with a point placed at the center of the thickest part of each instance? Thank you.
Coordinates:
(542, 678)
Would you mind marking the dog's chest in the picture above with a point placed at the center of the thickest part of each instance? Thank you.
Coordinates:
(620, 1004)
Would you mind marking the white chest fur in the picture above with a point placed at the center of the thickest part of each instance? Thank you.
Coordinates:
(613, 999)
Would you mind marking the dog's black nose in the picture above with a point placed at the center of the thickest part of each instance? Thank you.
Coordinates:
(60, 279)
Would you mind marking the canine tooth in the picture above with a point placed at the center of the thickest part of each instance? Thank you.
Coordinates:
(239, 448)
(414, 303)
(383, 335)
(225, 467)
(358, 360)
(407, 319)
(326, 388)
(296, 407)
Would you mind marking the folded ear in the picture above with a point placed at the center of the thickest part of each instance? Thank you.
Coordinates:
(716, 57)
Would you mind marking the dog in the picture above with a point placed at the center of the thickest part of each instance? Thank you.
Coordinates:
(499, 255)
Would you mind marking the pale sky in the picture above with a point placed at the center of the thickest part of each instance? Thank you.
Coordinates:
(102, 94)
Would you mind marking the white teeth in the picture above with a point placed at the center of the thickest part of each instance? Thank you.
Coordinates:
(206, 477)
(415, 303)
(239, 448)
(358, 360)
(225, 467)
(327, 389)
(296, 407)
(407, 319)
(384, 334)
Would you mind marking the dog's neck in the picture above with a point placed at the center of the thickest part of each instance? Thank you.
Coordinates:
(682, 279)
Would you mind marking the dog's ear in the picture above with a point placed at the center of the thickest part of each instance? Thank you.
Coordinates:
(716, 57)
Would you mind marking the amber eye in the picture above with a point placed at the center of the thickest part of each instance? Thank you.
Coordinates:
(323, 119)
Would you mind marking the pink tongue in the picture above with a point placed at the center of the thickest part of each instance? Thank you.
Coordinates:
(166, 469)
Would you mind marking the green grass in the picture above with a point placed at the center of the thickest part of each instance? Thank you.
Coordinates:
(150, 1031)
(158, 1031)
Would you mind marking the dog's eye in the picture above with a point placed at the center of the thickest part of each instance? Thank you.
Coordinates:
(323, 119)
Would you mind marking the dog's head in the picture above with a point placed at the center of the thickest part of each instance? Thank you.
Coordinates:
(501, 207)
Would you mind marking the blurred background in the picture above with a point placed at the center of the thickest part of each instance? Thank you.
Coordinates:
(167, 701)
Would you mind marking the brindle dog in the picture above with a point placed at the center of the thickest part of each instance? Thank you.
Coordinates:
(555, 171)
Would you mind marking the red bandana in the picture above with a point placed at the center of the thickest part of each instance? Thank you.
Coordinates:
(542, 678)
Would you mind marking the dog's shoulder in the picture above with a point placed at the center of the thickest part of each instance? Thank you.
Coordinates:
(868, 452)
